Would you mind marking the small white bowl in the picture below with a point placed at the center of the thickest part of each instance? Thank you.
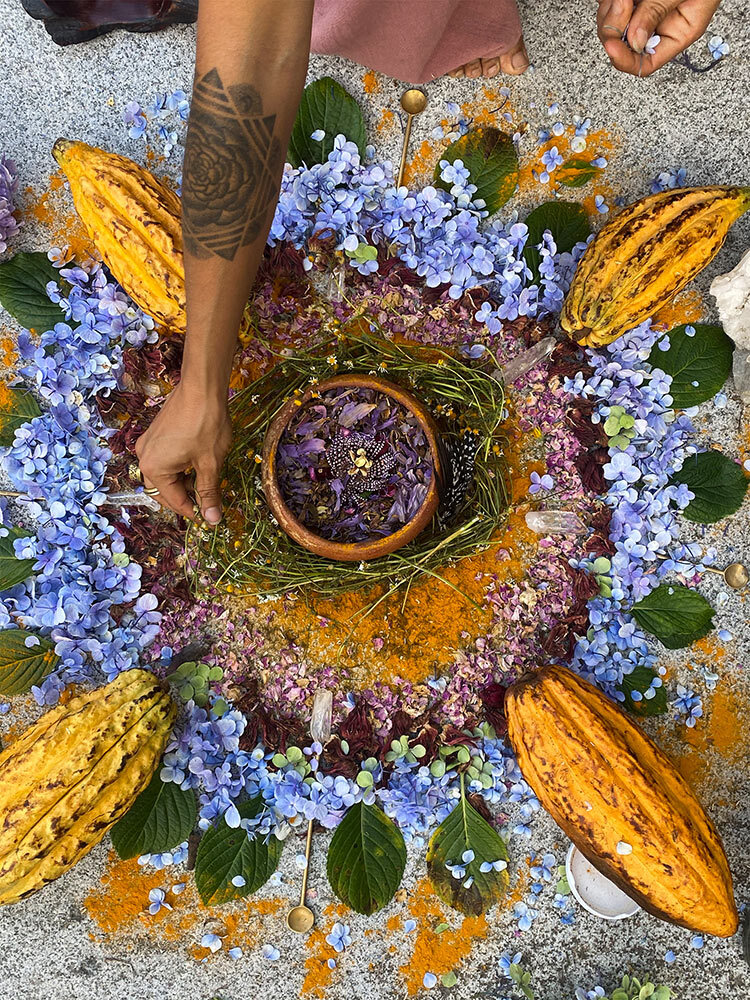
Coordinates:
(594, 891)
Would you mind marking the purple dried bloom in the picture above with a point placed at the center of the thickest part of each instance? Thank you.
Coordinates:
(8, 185)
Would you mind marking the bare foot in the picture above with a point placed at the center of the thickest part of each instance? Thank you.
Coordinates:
(513, 63)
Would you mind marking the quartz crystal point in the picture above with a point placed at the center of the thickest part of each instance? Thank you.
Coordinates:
(741, 373)
(554, 522)
(320, 722)
(523, 363)
(732, 294)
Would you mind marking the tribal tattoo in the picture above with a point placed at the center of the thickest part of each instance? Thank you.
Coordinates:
(232, 163)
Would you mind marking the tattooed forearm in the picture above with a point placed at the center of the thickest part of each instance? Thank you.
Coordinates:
(232, 164)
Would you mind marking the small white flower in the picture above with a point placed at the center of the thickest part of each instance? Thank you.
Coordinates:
(623, 848)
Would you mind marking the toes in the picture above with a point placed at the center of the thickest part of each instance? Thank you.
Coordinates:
(490, 67)
(516, 61)
(457, 73)
(473, 69)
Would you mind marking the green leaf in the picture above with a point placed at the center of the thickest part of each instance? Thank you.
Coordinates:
(325, 105)
(705, 358)
(719, 485)
(17, 407)
(162, 817)
(491, 159)
(13, 570)
(640, 680)
(225, 852)
(576, 172)
(23, 281)
(567, 222)
(675, 615)
(462, 830)
(22, 666)
(366, 859)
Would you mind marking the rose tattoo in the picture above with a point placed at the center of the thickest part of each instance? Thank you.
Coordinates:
(231, 168)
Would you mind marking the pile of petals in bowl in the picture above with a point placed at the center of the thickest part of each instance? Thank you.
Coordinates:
(354, 464)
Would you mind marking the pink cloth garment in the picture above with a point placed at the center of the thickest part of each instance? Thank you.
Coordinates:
(414, 40)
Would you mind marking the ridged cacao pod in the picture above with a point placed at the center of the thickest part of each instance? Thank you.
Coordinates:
(640, 260)
(70, 777)
(134, 220)
(609, 786)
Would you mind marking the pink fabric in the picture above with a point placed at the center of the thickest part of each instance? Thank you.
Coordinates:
(414, 40)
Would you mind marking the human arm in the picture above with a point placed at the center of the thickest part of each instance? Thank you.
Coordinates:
(251, 60)
(678, 23)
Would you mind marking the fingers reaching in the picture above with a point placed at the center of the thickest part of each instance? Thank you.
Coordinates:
(612, 19)
(208, 494)
(172, 493)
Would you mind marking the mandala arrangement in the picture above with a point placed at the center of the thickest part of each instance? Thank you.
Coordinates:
(231, 684)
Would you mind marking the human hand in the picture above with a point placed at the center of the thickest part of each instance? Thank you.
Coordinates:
(191, 429)
(678, 23)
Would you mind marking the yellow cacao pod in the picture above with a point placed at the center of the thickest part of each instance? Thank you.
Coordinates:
(620, 800)
(70, 777)
(133, 220)
(640, 260)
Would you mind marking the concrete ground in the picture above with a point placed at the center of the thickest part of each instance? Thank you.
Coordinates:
(48, 945)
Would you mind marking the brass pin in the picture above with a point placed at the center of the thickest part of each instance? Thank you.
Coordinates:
(413, 101)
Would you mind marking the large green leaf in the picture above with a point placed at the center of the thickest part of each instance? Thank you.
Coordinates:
(22, 666)
(567, 222)
(13, 570)
(366, 859)
(465, 830)
(491, 159)
(640, 680)
(17, 407)
(225, 853)
(23, 282)
(674, 614)
(162, 817)
(699, 364)
(719, 485)
(327, 106)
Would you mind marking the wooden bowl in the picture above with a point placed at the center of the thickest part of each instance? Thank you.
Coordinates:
(349, 551)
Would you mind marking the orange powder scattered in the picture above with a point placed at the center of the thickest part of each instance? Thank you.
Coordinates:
(370, 82)
(318, 975)
(119, 906)
(53, 210)
(687, 307)
(444, 952)
(387, 121)
(8, 353)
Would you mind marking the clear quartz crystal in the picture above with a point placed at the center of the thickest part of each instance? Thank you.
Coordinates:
(554, 522)
(132, 500)
(320, 721)
(741, 372)
(526, 361)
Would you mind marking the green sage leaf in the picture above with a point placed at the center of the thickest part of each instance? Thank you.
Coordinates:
(325, 106)
(160, 819)
(12, 569)
(675, 614)
(576, 172)
(719, 485)
(225, 852)
(491, 159)
(640, 680)
(463, 830)
(22, 666)
(17, 407)
(566, 221)
(23, 284)
(366, 859)
(699, 365)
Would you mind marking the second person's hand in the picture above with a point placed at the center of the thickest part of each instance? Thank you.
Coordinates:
(678, 23)
(192, 430)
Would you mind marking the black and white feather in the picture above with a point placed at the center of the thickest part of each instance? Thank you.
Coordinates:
(458, 459)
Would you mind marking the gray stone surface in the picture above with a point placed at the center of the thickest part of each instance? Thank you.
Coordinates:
(675, 118)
